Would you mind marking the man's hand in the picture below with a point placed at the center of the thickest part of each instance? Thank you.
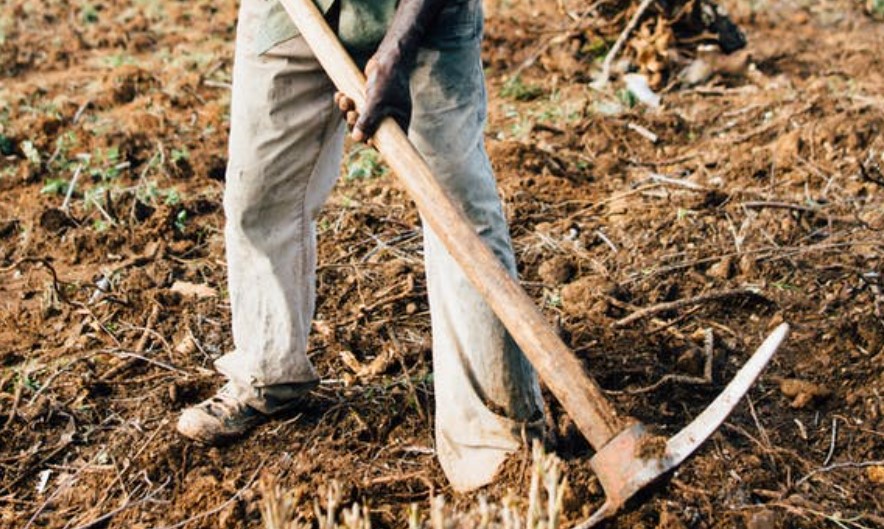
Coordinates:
(387, 95)
(388, 71)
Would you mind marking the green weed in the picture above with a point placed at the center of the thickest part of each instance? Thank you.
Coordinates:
(516, 89)
(6, 146)
(364, 163)
(181, 220)
(596, 48)
(93, 196)
(552, 299)
(178, 155)
(89, 14)
(627, 98)
(55, 186)
(118, 59)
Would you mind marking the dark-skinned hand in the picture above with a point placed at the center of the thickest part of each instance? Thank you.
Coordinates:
(386, 95)
(387, 73)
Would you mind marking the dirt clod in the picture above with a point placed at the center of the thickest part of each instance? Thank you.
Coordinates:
(763, 519)
(803, 392)
(875, 474)
(556, 271)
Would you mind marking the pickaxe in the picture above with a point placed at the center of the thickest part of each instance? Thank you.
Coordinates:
(628, 457)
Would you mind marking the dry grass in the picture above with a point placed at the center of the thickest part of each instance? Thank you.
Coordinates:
(542, 509)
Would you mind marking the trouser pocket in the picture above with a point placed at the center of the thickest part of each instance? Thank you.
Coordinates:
(458, 24)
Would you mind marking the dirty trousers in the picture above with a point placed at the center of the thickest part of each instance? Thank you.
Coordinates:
(285, 151)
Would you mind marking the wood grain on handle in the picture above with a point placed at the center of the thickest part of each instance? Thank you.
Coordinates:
(556, 364)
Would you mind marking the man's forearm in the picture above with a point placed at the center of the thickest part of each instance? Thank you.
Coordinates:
(409, 25)
(388, 71)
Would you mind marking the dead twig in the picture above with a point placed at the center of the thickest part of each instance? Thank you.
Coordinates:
(605, 75)
(757, 204)
(683, 379)
(46, 264)
(601, 235)
(666, 180)
(65, 205)
(837, 518)
(836, 466)
(128, 354)
(681, 303)
(48, 382)
(832, 441)
(16, 400)
(111, 373)
(643, 132)
(79, 113)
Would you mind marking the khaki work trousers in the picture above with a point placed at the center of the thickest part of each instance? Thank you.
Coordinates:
(286, 144)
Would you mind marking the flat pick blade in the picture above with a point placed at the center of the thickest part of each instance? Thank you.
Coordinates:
(682, 444)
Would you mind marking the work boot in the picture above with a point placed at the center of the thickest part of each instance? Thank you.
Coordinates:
(219, 418)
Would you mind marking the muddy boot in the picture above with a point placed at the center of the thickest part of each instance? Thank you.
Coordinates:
(233, 411)
(220, 418)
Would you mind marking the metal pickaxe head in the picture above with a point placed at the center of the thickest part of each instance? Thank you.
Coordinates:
(636, 457)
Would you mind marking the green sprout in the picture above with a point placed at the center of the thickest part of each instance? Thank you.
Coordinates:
(516, 89)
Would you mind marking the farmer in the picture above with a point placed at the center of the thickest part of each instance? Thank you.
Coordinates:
(286, 142)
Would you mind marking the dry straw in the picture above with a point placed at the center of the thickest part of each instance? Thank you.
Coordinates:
(542, 509)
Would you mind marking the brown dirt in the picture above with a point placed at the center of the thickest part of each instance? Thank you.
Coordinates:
(782, 146)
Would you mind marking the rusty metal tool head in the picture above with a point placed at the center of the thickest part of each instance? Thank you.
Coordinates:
(635, 458)
(627, 456)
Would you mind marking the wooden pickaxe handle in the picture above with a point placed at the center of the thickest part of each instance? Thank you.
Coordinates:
(556, 364)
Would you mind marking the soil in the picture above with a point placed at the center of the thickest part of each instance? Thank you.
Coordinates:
(766, 171)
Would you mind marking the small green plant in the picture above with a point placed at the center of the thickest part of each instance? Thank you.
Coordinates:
(118, 59)
(55, 186)
(104, 166)
(30, 383)
(782, 285)
(6, 146)
(683, 213)
(92, 197)
(150, 193)
(179, 155)
(364, 163)
(627, 98)
(516, 89)
(171, 197)
(596, 48)
(181, 220)
(89, 14)
(63, 145)
(552, 299)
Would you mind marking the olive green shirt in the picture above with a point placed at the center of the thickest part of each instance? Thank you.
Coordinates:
(361, 25)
